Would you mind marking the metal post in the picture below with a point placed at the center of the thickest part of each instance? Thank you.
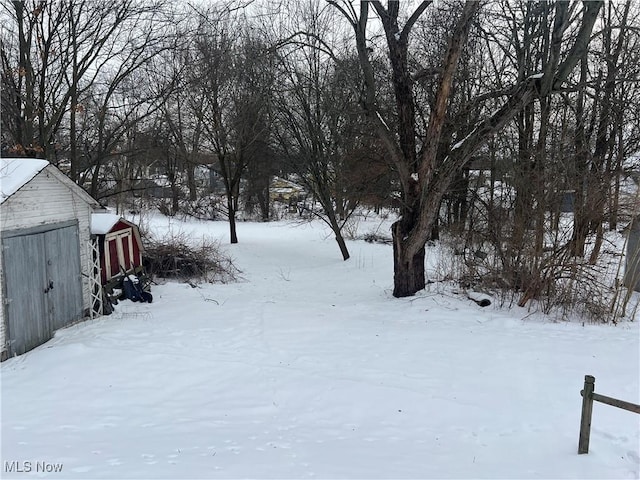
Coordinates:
(587, 409)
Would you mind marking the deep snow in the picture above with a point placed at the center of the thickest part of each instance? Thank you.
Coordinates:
(309, 368)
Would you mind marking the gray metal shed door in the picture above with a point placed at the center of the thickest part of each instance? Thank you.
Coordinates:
(43, 285)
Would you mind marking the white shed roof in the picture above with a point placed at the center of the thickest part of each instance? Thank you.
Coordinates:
(102, 223)
(16, 173)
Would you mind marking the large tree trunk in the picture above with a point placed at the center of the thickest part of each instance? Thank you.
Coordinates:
(408, 270)
(423, 188)
(408, 261)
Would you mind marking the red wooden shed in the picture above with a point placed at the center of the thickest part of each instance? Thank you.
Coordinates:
(119, 244)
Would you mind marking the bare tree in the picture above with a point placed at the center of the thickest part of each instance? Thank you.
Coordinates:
(601, 142)
(313, 117)
(61, 49)
(234, 80)
(424, 177)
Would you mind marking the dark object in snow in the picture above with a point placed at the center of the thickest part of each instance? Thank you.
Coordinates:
(480, 298)
(133, 290)
(130, 291)
(373, 237)
(107, 304)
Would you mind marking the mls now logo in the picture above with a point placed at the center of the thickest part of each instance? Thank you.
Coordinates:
(27, 467)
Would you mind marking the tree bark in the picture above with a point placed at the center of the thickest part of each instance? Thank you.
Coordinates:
(233, 233)
(408, 268)
(337, 230)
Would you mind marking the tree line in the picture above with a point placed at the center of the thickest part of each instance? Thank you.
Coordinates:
(480, 119)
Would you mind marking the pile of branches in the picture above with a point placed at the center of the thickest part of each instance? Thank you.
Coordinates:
(177, 256)
(375, 237)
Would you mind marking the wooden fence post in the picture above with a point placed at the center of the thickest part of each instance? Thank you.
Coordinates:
(587, 409)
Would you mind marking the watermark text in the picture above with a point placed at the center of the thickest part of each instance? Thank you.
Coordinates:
(29, 466)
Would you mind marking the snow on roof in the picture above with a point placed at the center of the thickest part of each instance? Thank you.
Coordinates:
(102, 223)
(279, 182)
(16, 173)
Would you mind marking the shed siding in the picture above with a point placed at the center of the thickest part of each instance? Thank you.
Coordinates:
(42, 201)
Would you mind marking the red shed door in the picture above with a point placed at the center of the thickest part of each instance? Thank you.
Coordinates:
(118, 251)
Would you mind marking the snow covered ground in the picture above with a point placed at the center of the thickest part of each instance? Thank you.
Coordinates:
(309, 368)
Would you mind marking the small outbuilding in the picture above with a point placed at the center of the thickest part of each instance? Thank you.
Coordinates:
(119, 244)
(47, 273)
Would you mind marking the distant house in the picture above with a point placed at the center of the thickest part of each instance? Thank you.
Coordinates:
(216, 183)
(283, 190)
(157, 187)
(46, 273)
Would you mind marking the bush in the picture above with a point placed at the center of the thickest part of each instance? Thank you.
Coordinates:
(551, 281)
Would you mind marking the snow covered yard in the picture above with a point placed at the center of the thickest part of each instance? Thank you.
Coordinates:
(308, 368)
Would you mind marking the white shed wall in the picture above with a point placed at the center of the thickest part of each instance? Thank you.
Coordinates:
(45, 200)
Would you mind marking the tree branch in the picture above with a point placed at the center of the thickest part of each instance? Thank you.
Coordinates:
(580, 46)
(413, 19)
